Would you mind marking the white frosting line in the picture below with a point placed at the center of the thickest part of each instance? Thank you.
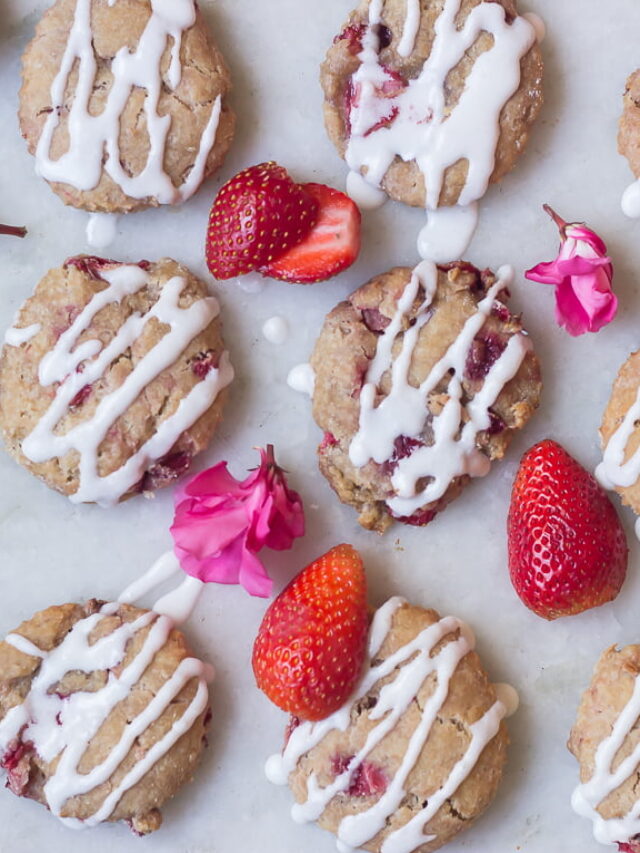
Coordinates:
(403, 412)
(160, 571)
(416, 662)
(448, 233)
(23, 645)
(62, 363)
(302, 378)
(365, 196)
(587, 796)
(93, 136)
(410, 30)
(15, 337)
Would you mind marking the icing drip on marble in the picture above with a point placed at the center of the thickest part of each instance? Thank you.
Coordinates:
(604, 780)
(416, 662)
(101, 230)
(63, 726)
(631, 201)
(93, 138)
(276, 330)
(448, 233)
(414, 122)
(302, 378)
(404, 410)
(73, 366)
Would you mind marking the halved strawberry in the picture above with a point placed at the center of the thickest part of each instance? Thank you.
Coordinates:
(311, 645)
(330, 247)
(256, 216)
(567, 548)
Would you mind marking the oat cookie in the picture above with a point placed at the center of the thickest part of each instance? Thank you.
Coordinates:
(406, 115)
(113, 377)
(402, 444)
(411, 797)
(70, 705)
(142, 119)
(603, 737)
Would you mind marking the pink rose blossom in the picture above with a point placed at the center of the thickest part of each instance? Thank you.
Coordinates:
(582, 274)
(220, 523)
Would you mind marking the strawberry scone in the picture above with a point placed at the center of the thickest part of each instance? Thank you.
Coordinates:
(113, 377)
(124, 104)
(421, 379)
(605, 739)
(430, 100)
(620, 436)
(629, 142)
(415, 754)
(103, 713)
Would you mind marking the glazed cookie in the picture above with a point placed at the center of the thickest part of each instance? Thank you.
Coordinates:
(432, 100)
(124, 104)
(103, 713)
(416, 755)
(620, 436)
(421, 379)
(113, 377)
(606, 742)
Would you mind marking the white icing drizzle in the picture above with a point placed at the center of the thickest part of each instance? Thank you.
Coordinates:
(448, 233)
(15, 337)
(614, 470)
(509, 697)
(365, 196)
(61, 365)
(101, 230)
(93, 138)
(63, 726)
(422, 130)
(538, 25)
(587, 796)
(416, 663)
(410, 30)
(403, 412)
(276, 330)
(302, 378)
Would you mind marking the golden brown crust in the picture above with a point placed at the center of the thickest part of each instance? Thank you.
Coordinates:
(404, 182)
(204, 77)
(470, 696)
(347, 345)
(629, 127)
(140, 804)
(57, 300)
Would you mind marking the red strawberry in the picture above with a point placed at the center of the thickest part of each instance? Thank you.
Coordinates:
(567, 548)
(257, 215)
(331, 246)
(311, 645)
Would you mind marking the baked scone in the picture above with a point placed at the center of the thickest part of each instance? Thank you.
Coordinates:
(124, 104)
(620, 436)
(432, 100)
(113, 377)
(416, 755)
(629, 127)
(421, 378)
(605, 739)
(103, 712)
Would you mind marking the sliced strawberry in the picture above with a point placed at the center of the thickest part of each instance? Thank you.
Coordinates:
(257, 215)
(311, 645)
(567, 548)
(331, 246)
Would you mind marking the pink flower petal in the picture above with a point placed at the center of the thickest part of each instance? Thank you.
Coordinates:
(221, 523)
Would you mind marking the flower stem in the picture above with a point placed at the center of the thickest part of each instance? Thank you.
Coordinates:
(13, 230)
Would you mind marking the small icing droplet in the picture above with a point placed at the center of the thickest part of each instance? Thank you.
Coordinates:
(448, 232)
(302, 378)
(251, 283)
(276, 330)
(364, 194)
(509, 697)
(631, 201)
(14, 337)
(101, 230)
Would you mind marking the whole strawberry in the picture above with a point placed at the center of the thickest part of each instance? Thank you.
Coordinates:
(311, 645)
(567, 548)
(257, 216)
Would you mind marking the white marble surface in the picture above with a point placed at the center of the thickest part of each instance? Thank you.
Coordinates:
(52, 551)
